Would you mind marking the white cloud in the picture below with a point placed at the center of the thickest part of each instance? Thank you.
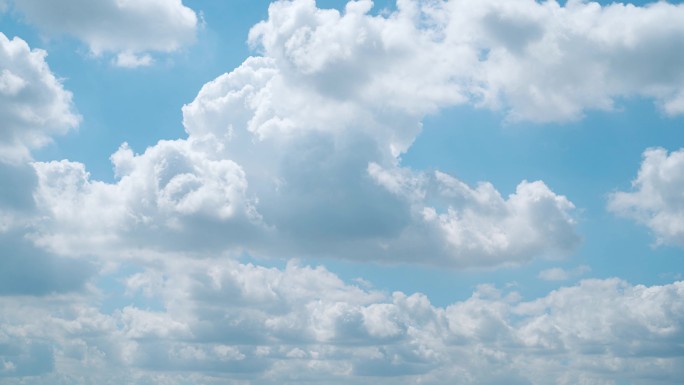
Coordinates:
(477, 226)
(170, 198)
(299, 151)
(560, 274)
(128, 28)
(33, 103)
(226, 321)
(502, 55)
(309, 173)
(130, 60)
(656, 200)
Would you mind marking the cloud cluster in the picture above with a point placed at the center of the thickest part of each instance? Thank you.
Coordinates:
(222, 321)
(298, 152)
(300, 163)
(538, 61)
(259, 174)
(288, 153)
(128, 28)
(656, 200)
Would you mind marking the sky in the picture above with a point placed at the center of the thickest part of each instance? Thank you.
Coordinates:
(341, 192)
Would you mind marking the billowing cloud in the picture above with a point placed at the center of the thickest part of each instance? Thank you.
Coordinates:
(656, 200)
(127, 28)
(220, 322)
(538, 61)
(272, 165)
(34, 106)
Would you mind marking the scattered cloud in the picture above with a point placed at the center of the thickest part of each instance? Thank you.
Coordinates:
(130, 60)
(222, 320)
(560, 274)
(127, 28)
(298, 152)
(656, 200)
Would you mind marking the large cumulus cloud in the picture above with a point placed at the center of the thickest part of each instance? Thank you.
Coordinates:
(310, 134)
(314, 164)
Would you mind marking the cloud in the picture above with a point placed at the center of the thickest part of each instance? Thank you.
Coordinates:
(495, 55)
(34, 106)
(560, 274)
(127, 28)
(263, 171)
(656, 200)
(222, 321)
(284, 157)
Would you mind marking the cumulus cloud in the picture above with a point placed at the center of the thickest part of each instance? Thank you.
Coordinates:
(222, 321)
(656, 199)
(128, 28)
(272, 165)
(34, 106)
(310, 135)
(537, 61)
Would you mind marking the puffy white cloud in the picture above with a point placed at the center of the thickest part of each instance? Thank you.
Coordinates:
(128, 28)
(477, 226)
(171, 197)
(34, 106)
(538, 61)
(656, 200)
(298, 151)
(223, 321)
(272, 165)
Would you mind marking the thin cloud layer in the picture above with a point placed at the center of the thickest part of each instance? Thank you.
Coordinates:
(129, 29)
(656, 200)
(223, 321)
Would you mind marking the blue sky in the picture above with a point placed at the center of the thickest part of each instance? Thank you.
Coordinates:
(331, 192)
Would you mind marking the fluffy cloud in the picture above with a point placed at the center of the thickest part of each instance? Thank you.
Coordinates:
(310, 135)
(226, 321)
(172, 197)
(272, 165)
(128, 28)
(33, 107)
(502, 55)
(33, 103)
(656, 200)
